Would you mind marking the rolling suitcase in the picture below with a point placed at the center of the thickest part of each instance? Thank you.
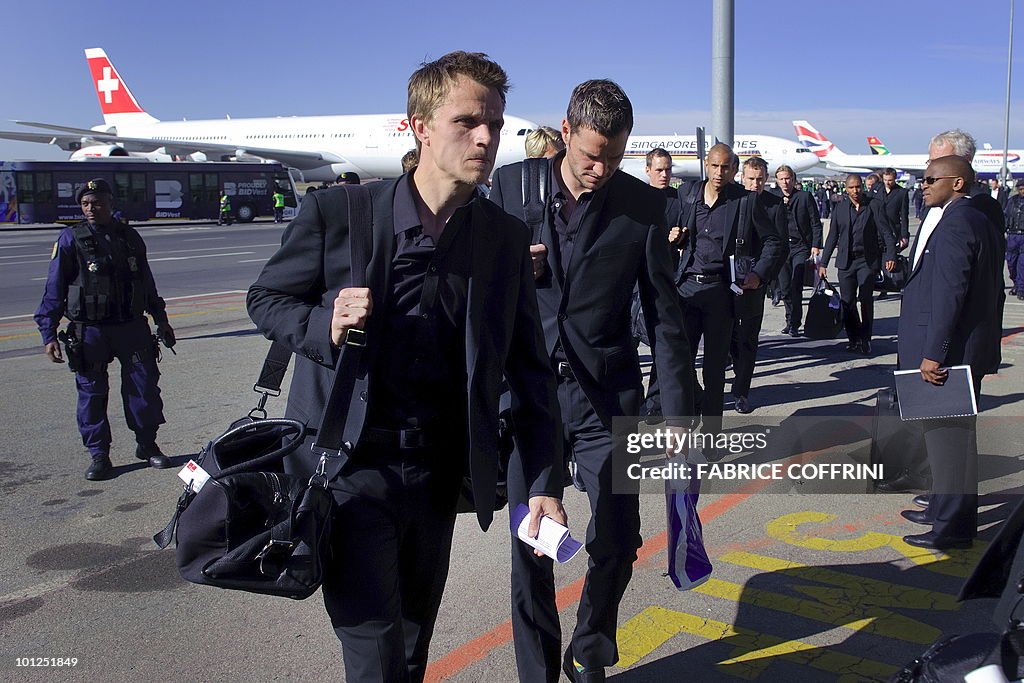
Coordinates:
(895, 444)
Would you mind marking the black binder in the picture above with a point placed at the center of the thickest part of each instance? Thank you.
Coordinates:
(920, 400)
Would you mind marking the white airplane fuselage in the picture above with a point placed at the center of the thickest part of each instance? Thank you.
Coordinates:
(685, 163)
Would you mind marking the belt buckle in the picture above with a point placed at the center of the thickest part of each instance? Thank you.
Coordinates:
(409, 439)
(564, 370)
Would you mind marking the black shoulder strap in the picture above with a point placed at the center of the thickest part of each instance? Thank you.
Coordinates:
(535, 194)
(743, 227)
(360, 223)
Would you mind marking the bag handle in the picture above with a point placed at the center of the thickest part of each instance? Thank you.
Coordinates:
(329, 443)
(286, 425)
(535, 194)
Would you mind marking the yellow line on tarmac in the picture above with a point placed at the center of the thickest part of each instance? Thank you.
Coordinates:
(859, 589)
(832, 607)
(787, 529)
(752, 651)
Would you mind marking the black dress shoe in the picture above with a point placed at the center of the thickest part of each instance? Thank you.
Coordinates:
(864, 348)
(152, 453)
(903, 482)
(743, 405)
(100, 469)
(916, 516)
(852, 346)
(936, 542)
(1013, 291)
(786, 330)
(573, 673)
(923, 500)
(795, 332)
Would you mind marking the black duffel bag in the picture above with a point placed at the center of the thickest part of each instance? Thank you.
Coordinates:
(242, 523)
(897, 279)
(824, 318)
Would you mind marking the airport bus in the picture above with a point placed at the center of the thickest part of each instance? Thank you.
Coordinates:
(44, 191)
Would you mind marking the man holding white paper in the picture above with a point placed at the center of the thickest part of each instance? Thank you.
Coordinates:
(950, 316)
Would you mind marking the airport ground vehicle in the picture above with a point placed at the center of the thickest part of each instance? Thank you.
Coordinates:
(44, 191)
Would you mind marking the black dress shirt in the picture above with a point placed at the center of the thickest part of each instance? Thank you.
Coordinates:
(419, 379)
(708, 255)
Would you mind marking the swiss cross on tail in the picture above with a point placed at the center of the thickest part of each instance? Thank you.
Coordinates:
(113, 94)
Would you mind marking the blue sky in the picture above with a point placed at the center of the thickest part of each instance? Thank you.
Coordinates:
(898, 70)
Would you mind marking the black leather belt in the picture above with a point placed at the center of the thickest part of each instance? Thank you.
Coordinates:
(564, 370)
(401, 439)
(704, 279)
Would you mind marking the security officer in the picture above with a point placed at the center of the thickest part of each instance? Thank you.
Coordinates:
(100, 278)
(225, 209)
(278, 206)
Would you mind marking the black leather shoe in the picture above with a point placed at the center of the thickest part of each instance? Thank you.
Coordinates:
(1013, 291)
(935, 542)
(795, 332)
(852, 346)
(786, 330)
(100, 469)
(152, 453)
(580, 675)
(864, 348)
(743, 405)
(916, 516)
(903, 482)
(923, 500)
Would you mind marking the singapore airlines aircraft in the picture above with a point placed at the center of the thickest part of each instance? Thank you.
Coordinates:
(320, 147)
(685, 163)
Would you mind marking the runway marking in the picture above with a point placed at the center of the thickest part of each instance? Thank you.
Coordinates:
(954, 563)
(830, 606)
(752, 651)
(199, 256)
(199, 296)
(254, 260)
(185, 251)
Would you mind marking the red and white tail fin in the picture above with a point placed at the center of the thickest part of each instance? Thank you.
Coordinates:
(119, 106)
(809, 136)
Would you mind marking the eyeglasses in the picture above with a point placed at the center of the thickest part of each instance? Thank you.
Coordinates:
(931, 180)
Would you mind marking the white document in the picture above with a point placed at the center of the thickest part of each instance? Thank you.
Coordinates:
(553, 539)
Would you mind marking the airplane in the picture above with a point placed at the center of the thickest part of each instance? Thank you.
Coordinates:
(685, 163)
(876, 146)
(836, 160)
(987, 161)
(320, 147)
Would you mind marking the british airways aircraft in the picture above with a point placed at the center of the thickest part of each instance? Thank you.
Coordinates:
(320, 147)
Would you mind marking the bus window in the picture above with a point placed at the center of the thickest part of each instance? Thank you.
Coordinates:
(283, 183)
(26, 188)
(44, 187)
(121, 189)
(138, 189)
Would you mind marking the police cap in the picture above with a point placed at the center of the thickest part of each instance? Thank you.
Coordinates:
(94, 186)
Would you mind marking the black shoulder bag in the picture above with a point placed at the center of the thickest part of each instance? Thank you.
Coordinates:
(250, 526)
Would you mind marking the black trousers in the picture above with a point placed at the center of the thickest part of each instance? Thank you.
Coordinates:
(856, 283)
(708, 313)
(791, 283)
(745, 332)
(392, 536)
(613, 536)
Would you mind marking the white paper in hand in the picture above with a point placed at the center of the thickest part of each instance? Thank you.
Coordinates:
(553, 540)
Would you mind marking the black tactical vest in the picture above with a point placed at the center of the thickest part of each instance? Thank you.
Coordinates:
(108, 287)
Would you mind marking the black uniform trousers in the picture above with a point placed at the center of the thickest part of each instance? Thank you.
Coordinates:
(613, 536)
(856, 283)
(791, 282)
(745, 332)
(708, 313)
(391, 542)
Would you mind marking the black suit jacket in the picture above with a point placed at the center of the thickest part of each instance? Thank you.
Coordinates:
(622, 243)
(951, 308)
(879, 245)
(808, 220)
(897, 209)
(292, 302)
(761, 234)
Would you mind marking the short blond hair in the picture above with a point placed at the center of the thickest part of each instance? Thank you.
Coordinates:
(538, 141)
(429, 85)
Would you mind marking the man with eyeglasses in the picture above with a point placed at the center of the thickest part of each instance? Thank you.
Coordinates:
(956, 253)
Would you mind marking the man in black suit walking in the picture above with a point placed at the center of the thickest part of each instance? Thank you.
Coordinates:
(804, 233)
(896, 204)
(603, 234)
(951, 315)
(862, 239)
(716, 233)
(449, 308)
(749, 311)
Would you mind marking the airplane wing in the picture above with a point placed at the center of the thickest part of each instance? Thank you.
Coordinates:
(302, 160)
(51, 126)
